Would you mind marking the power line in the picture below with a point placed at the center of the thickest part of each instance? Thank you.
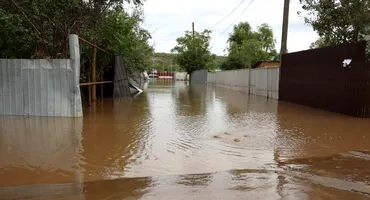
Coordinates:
(237, 18)
(227, 15)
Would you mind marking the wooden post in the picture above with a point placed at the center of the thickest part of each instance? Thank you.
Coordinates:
(284, 37)
(93, 75)
(102, 86)
(89, 87)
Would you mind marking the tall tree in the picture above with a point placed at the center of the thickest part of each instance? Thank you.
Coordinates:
(193, 51)
(265, 34)
(339, 21)
(247, 47)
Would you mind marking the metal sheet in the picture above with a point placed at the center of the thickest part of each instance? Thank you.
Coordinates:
(261, 82)
(318, 79)
(199, 77)
(42, 87)
(37, 88)
(121, 82)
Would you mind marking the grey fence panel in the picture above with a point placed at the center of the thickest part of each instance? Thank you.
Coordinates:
(261, 82)
(38, 88)
(121, 82)
(211, 77)
(273, 82)
(41, 87)
(199, 77)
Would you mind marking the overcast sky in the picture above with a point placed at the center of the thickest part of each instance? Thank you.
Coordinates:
(168, 19)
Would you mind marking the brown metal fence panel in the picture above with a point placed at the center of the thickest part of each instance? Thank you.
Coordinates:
(318, 79)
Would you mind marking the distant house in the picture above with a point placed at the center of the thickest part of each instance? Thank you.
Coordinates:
(266, 64)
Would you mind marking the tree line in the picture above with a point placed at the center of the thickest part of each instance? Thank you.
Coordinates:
(40, 29)
(245, 48)
(336, 22)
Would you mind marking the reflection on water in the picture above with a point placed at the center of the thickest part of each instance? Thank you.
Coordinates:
(188, 141)
(42, 149)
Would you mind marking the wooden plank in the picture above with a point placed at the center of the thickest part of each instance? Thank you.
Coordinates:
(102, 86)
(95, 83)
(94, 45)
(89, 79)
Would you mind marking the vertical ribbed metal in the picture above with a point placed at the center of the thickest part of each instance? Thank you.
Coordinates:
(260, 81)
(317, 78)
(38, 88)
(121, 82)
(41, 87)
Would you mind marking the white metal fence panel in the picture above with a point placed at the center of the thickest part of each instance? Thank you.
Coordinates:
(199, 77)
(261, 82)
(273, 82)
(211, 77)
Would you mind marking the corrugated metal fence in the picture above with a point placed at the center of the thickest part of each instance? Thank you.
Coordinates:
(265, 82)
(318, 79)
(261, 82)
(121, 81)
(41, 87)
(199, 77)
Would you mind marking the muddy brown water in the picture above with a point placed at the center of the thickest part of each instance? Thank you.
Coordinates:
(176, 141)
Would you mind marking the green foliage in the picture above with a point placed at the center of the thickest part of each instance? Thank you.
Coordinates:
(247, 47)
(219, 62)
(40, 29)
(193, 52)
(319, 43)
(165, 62)
(338, 22)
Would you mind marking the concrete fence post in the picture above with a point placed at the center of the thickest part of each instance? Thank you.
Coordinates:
(74, 51)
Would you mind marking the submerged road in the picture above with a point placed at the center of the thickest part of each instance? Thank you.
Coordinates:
(176, 141)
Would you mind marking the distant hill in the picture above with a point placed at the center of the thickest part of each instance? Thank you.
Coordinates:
(165, 62)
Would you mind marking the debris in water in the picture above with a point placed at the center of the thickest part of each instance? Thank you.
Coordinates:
(236, 140)
(217, 137)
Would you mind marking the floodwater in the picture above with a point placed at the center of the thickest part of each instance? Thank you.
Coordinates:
(176, 141)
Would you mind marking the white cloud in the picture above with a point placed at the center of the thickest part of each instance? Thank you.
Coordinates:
(168, 19)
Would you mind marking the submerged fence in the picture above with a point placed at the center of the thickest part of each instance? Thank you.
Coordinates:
(261, 82)
(42, 87)
(199, 77)
(317, 78)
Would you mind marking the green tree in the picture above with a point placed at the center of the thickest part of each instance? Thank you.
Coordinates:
(40, 29)
(165, 62)
(319, 43)
(338, 22)
(247, 47)
(265, 34)
(193, 51)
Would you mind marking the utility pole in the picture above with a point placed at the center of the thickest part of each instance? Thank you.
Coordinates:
(193, 29)
(284, 37)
